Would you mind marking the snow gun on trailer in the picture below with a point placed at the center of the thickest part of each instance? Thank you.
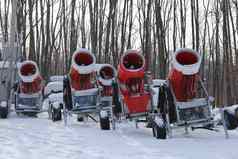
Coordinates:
(184, 106)
(81, 93)
(28, 90)
(136, 93)
(106, 77)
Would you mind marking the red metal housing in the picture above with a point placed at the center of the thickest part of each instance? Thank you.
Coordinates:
(131, 72)
(183, 75)
(31, 80)
(82, 71)
(107, 74)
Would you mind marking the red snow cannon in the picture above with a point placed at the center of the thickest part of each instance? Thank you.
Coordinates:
(106, 75)
(82, 70)
(31, 80)
(183, 76)
(131, 72)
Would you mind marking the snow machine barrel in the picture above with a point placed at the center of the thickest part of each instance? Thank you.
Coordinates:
(131, 72)
(106, 75)
(31, 80)
(82, 69)
(183, 75)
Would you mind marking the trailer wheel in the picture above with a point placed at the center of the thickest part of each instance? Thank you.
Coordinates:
(159, 128)
(230, 120)
(105, 123)
(3, 112)
(159, 132)
(80, 119)
(104, 120)
(56, 114)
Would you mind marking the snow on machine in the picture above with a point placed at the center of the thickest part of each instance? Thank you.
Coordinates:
(136, 93)
(53, 99)
(106, 75)
(186, 103)
(28, 90)
(81, 93)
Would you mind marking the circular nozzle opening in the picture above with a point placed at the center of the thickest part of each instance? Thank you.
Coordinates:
(83, 59)
(107, 72)
(133, 60)
(28, 69)
(186, 58)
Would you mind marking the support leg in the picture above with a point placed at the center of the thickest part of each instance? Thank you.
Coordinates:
(224, 123)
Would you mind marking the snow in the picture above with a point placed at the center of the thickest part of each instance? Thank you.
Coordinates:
(52, 98)
(23, 138)
(55, 86)
(156, 84)
(186, 69)
(56, 78)
(28, 78)
(34, 138)
(232, 108)
(3, 104)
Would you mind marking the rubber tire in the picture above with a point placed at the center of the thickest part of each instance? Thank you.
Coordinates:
(159, 132)
(230, 120)
(67, 94)
(105, 123)
(3, 112)
(56, 114)
(80, 119)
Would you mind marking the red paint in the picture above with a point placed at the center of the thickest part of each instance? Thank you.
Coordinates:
(184, 86)
(106, 72)
(31, 87)
(131, 82)
(29, 69)
(80, 81)
(83, 58)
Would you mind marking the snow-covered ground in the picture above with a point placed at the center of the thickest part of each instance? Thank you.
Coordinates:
(33, 138)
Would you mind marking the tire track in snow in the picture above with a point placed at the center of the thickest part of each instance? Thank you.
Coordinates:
(145, 152)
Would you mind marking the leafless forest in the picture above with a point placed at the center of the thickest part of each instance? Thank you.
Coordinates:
(49, 31)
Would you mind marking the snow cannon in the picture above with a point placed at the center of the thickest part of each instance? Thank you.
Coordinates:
(131, 74)
(28, 91)
(106, 75)
(82, 70)
(81, 94)
(183, 77)
(31, 80)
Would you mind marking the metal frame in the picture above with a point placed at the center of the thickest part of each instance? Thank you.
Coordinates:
(86, 112)
(109, 110)
(29, 108)
(151, 115)
(204, 102)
